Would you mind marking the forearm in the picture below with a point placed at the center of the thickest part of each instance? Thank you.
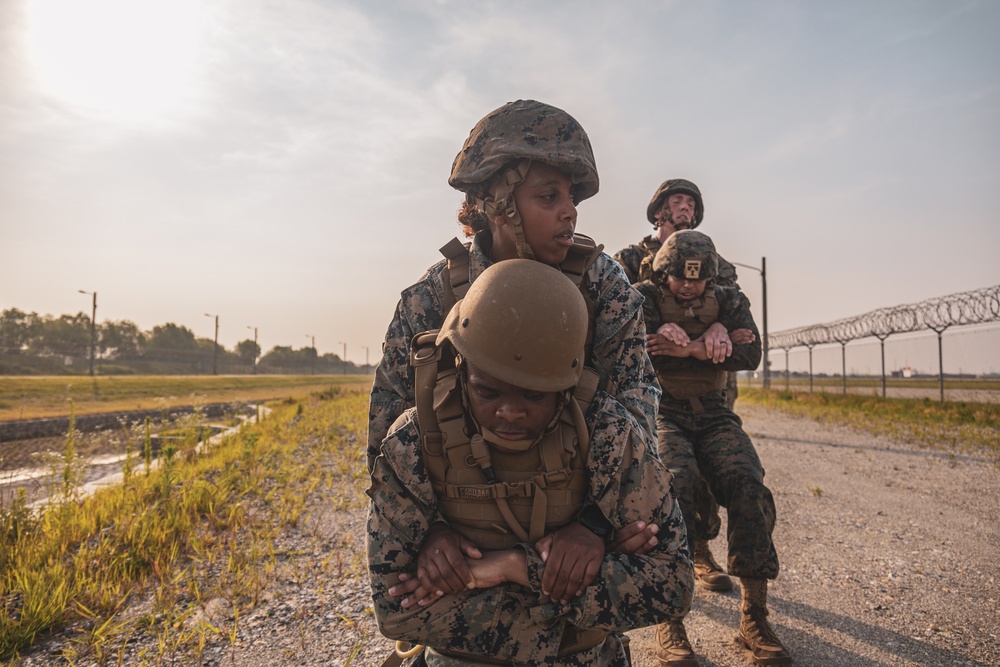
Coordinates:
(632, 378)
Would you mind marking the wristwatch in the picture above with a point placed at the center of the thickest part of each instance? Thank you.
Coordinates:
(594, 520)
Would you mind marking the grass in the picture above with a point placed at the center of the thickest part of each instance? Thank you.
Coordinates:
(35, 397)
(199, 527)
(949, 425)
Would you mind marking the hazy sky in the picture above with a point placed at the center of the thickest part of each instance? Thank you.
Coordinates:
(284, 164)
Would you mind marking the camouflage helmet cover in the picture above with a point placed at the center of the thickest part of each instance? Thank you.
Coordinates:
(524, 323)
(687, 254)
(672, 186)
(519, 130)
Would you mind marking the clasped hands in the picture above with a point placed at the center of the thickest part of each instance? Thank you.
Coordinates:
(449, 563)
(715, 345)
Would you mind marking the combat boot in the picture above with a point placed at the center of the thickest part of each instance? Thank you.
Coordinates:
(755, 633)
(672, 646)
(707, 571)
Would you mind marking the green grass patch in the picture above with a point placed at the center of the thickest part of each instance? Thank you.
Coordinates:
(34, 397)
(200, 526)
(948, 425)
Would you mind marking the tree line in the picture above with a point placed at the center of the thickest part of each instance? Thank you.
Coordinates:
(31, 343)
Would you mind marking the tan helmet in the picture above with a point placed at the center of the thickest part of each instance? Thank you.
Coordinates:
(525, 130)
(524, 323)
(673, 186)
(687, 254)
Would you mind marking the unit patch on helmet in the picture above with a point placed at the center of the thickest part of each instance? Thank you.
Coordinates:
(692, 269)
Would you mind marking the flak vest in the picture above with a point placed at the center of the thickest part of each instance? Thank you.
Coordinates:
(497, 493)
(581, 256)
(687, 384)
(646, 265)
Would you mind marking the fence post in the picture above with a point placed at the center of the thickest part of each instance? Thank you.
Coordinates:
(810, 368)
(881, 342)
(940, 361)
(786, 370)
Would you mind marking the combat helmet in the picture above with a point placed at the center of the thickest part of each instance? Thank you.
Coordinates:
(524, 323)
(673, 186)
(501, 147)
(687, 254)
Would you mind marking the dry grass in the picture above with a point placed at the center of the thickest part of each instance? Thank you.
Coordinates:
(34, 397)
(199, 527)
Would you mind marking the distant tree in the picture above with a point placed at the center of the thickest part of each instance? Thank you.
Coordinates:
(247, 351)
(66, 335)
(170, 342)
(16, 330)
(120, 340)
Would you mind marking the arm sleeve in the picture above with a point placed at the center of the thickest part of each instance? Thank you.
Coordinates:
(632, 591)
(418, 310)
(619, 347)
(734, 313)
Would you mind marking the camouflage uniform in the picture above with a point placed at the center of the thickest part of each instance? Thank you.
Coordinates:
(618, 351)
(519, 625)
(714, 443)
(707, 523)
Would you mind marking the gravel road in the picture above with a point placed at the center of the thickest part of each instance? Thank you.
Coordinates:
(888, 556)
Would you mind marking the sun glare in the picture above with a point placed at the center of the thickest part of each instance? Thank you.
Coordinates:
(120, 59)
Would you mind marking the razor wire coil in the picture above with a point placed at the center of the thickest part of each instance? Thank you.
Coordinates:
(974, 307)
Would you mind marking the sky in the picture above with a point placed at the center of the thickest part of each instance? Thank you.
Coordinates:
(283, 164)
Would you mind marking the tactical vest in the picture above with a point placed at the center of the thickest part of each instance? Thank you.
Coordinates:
(694, 318)
(581, 256)
(498, 494)
(650, 246)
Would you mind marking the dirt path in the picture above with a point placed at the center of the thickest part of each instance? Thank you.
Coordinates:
(888, 553)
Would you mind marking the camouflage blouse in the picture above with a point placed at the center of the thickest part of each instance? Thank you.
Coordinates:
(618, 350)
(627, 481)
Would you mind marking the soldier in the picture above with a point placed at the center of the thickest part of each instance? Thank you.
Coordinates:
(492, 500)
(677, 205)
(524, 169)
(697, 432)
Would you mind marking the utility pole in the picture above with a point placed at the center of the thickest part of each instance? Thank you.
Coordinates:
(763, 338)
(93, 328)
(366, 356)
(312, 362)
(344, 359)
(255, 348)
(215, 347)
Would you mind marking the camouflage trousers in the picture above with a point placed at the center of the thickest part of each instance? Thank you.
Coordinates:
(714, 445)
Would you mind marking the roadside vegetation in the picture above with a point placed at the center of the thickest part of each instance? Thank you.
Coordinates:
(956, 426)
(197, 527)
(35, 397)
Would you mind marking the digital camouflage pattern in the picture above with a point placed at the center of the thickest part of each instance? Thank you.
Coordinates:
(525, 129)
(509, 622)
(670, 187)
(618, 351)
(687, 254)
(712, 444)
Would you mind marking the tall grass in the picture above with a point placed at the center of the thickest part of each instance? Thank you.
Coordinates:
(949, 425)
(194, 528)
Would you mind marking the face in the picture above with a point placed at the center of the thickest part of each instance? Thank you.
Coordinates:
(544, 200)
(677, 212)
(511, 412)
(684, 289)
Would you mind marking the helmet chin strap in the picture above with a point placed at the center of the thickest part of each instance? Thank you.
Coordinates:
(503, 204)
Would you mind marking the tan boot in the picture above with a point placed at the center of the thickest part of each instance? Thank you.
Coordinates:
(756, 634)
(672, 645)
(707, 571)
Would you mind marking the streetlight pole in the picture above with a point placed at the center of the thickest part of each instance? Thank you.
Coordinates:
(344, 359)
(215, 346)
(93, 328)
(312, 362)
(763, 340)
(366, 356)
(255, 348)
